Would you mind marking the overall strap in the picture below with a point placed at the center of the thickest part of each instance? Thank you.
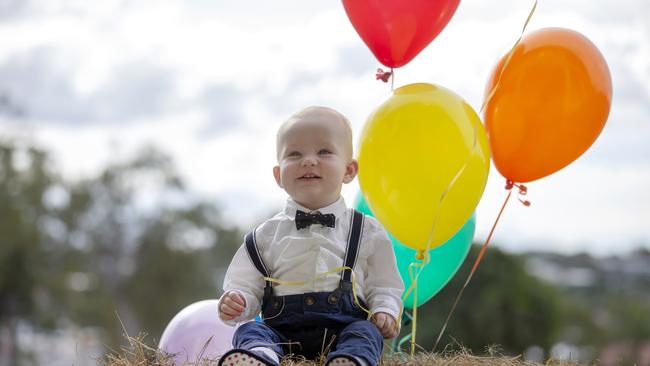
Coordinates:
(352, 251)
(256, 258)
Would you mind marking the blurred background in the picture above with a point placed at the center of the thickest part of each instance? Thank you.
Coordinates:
(136, 147)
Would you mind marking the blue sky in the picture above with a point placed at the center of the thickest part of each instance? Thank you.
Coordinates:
(209, 82)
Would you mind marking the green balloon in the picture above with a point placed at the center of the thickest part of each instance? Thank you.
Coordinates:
(443, 264)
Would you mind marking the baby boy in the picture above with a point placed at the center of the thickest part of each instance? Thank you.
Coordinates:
(323, 276)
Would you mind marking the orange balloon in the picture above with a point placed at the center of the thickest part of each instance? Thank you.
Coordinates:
(549, 104)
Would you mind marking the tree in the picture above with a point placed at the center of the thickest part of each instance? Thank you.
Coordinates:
(145, 255)
(181, 259)
(26, 227)
(130, 242)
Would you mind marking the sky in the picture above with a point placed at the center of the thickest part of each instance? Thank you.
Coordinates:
(208, 82)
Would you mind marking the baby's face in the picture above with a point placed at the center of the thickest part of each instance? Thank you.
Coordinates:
(314, 159)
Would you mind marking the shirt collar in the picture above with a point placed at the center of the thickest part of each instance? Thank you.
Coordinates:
(337, 208)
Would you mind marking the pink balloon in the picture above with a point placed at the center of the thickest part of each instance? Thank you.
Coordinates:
(189, 331)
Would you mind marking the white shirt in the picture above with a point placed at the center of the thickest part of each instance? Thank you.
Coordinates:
(300, 255)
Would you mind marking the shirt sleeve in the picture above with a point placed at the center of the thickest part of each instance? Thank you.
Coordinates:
(383, 283)
(243, 277)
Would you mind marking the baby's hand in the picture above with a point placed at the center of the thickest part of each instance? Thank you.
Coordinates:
(231, 306)
(386, 324)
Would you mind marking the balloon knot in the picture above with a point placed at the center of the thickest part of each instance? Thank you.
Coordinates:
(419, 255)
(523, 190)
(383, 75)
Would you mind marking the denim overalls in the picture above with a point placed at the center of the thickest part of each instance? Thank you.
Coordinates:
(316, 322)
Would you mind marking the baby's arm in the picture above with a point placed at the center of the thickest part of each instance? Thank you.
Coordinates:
(383, 284)
(243, 287)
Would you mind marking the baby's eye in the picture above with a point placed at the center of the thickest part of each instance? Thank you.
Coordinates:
(293, 154)
(324, 152)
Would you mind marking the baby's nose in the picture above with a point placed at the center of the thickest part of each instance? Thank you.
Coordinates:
(309, 161)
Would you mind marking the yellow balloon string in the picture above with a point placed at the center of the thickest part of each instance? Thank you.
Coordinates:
(334, 271)
(485, 102)
(424, 258)
(508, 57)
(420, 254)
(415, 308)
(423, 254)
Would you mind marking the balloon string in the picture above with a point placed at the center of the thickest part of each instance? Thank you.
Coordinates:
(474, 143)
(448, 188)
(424, 253)
(471, 273)
(384, 77)
(508, 57)
(522, 192)
(413, 288)
(415, 316)
(404, 339)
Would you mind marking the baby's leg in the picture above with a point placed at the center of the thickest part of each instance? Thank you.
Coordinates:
(260, 342)
(359, 341)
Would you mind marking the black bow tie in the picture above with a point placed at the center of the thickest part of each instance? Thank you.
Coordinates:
(305, 219)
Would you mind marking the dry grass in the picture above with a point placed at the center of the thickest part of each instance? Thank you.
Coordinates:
(137, 353)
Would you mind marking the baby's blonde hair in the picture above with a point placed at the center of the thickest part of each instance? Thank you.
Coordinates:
(313, 111)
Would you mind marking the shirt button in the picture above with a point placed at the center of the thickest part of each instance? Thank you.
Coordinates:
(310, 300)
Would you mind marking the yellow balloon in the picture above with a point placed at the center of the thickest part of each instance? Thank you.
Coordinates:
(423, 160)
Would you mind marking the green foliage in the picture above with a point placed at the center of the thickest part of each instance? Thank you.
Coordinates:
(21, 209)
(26, 268)
(131, 242)
(144, 258)
(632, 321)
(171, 275)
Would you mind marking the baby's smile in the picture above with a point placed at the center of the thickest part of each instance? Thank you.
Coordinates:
(309, 177)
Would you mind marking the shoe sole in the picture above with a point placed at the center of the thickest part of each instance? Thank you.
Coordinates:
(340, 361)
(242, 359)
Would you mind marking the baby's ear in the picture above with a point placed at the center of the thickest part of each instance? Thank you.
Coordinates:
(351, 171)
(276, 175)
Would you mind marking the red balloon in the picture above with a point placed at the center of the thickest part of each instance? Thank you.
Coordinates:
(397, 30)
